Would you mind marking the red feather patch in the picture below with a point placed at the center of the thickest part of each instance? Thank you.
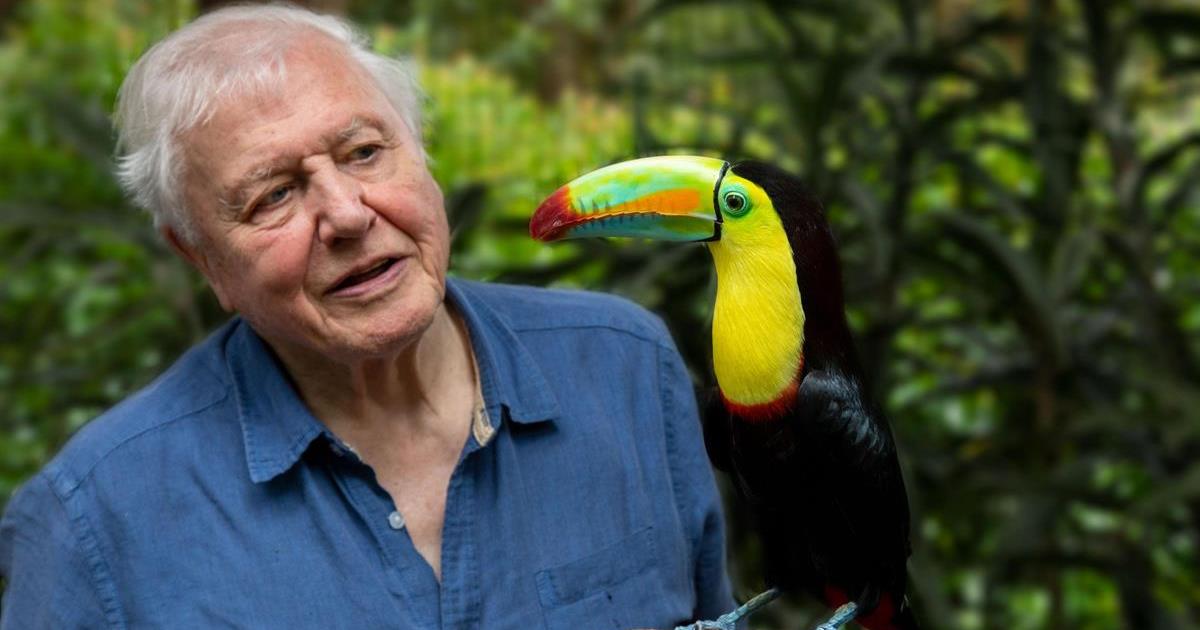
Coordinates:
(768, 411)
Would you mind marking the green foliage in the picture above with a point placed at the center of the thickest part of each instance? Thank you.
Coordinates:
(1013, 185)
(487, 136)
(86, 313)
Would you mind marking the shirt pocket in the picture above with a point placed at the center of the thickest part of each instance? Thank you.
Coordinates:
(617, 587)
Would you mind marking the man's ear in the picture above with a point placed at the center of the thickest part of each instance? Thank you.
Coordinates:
(197, 258)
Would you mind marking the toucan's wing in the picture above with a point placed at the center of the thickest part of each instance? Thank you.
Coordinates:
(856, 455)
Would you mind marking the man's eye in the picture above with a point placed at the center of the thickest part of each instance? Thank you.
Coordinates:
(364, 153)
(274, 198)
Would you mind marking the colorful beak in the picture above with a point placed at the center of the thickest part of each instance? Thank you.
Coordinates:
(669, 198)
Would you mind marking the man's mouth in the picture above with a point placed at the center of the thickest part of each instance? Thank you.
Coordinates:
(362, 277)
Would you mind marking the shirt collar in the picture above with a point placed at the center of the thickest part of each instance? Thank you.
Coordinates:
(512, 381)
(277, 427)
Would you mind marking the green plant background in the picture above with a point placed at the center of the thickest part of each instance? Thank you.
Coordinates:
(1013, 186)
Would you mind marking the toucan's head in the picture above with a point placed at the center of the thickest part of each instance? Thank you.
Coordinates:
(767, 236)
(672, 198)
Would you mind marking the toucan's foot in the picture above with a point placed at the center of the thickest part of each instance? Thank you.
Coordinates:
(729, 620)
(840, 617)
(715, 624)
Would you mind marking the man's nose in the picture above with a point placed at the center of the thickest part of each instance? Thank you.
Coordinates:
(338, 199)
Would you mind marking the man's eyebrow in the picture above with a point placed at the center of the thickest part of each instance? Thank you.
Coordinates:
(357, 124)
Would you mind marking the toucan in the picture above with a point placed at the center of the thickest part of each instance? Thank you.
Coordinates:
(793, 424)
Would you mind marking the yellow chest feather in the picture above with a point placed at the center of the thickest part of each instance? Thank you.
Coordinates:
(758, 320)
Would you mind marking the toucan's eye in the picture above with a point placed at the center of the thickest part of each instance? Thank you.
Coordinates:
(736, 203)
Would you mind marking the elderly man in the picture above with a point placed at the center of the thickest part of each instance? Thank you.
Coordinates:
(365, 444)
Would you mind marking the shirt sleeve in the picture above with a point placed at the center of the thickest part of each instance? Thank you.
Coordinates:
(47, 579)
(696, 495)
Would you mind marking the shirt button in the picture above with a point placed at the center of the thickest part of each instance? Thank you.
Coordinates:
(396, 520)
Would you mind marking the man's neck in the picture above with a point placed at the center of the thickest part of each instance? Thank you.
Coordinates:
(421, 388)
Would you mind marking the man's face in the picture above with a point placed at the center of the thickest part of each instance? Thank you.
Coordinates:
(318, 219)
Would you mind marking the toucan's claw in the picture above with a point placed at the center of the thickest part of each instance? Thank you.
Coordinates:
(840, 617)
(729, 620)
(716, 624)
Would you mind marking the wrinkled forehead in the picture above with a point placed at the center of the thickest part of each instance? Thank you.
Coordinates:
(312, 81)
(320, 101)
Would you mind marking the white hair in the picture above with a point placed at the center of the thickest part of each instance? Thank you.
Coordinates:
(178, 84)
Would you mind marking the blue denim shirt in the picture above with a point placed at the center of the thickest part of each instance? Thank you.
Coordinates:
(213, 498)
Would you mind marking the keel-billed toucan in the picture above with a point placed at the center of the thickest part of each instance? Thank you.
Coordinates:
(793, 426)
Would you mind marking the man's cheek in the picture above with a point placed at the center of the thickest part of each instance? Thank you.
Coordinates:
(283, 279)
(277, 265)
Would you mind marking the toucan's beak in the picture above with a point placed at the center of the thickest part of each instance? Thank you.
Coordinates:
(667, 198)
